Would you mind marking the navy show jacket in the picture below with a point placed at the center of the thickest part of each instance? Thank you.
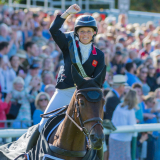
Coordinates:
(64, 79)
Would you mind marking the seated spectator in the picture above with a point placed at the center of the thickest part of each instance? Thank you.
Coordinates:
(139, 111)
(35, 84)
(50, 89)
(41, 103)
(23, 97)
(7, 75)
(150, 108)
(32, 52)
(157, 96)
(37, 35)
(124, 114)
(33, 71)
(45, 32)
(131, 77)
(107, 58)
(48, 64)
(14, 60)
(22, 57)
(116, 62)
(47, 78)
(3, 48)
(144, 53)
(151, 80)
(5, 36)
(54, 52)
(142, 73)
(46, 50)
(4, 108)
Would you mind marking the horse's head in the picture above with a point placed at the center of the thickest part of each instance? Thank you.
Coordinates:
(89, 106)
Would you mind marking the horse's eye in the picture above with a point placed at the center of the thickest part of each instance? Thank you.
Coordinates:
(81, 102)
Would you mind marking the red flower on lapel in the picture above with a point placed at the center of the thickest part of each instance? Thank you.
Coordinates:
(94, 63)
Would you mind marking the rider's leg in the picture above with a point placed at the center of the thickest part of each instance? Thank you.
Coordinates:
(59, 99)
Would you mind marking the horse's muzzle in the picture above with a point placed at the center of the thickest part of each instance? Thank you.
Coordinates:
(96, 141)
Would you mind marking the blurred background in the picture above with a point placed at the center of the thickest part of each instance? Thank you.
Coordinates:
(128, 35)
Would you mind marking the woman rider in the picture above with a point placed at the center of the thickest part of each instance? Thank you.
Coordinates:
(78, 49)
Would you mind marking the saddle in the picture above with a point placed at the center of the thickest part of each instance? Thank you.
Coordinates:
(29, 145)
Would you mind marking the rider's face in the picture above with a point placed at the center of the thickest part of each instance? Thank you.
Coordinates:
(85, 34)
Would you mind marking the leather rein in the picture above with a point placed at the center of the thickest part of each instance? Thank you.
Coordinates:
(95, 119)
(80, 127)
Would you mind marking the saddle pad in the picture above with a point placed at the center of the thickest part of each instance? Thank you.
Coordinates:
(21, 146)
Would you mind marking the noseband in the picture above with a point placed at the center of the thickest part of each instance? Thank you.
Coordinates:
(92, 95)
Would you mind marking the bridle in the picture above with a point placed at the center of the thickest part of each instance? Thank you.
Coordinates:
(92, 94)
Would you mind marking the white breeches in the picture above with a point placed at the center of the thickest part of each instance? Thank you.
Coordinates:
(60, 98)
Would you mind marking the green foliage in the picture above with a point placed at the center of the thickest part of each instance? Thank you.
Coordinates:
(138, 5)
(143, 5)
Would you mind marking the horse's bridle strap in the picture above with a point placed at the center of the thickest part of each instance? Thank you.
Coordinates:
(74, 122)
(93, 119)
(68, 153)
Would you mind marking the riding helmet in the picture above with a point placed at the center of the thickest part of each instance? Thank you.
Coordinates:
(85, 21)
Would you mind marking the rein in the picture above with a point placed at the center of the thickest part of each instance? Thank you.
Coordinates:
(92, 94)
(95, 119)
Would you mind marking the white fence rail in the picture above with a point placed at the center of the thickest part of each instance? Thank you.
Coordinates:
(4, 133)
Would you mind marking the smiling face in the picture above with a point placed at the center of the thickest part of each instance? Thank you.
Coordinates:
(85, 34)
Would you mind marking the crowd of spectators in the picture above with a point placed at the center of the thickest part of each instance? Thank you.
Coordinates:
(30, 61)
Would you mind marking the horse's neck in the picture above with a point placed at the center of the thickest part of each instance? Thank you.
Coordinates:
(69, 136)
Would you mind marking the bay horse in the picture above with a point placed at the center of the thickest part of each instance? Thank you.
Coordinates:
(83, 118)
(80, 135)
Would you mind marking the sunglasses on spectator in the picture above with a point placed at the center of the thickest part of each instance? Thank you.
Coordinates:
(45, 99)
(153, 102)
(144, 72)
(151, 68)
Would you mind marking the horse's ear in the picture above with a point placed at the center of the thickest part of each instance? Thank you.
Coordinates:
(77, 78)
(101, 77)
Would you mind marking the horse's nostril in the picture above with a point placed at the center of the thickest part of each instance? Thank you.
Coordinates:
(93, 138)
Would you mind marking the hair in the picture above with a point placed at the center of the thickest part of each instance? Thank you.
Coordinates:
(140, 68)
(156, 92)
(10, 59)
(49, 86)
(43, 64)
(136, 85)
(28, 44)
(149, 98)
(3, 25)
(3, 45)
(129, 66)
(45, 72)
(38, 97)
(130, 99)
(37, 29)
(18, 80)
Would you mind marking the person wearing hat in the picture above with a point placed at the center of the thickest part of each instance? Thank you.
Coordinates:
(77, 49)
(33, 71)
(112, 99)
(124, 114)
(22, 70)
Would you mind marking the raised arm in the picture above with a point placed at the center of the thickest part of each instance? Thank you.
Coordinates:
(58, 36)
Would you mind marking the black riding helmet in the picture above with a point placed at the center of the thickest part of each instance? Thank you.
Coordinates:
(85, 21)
